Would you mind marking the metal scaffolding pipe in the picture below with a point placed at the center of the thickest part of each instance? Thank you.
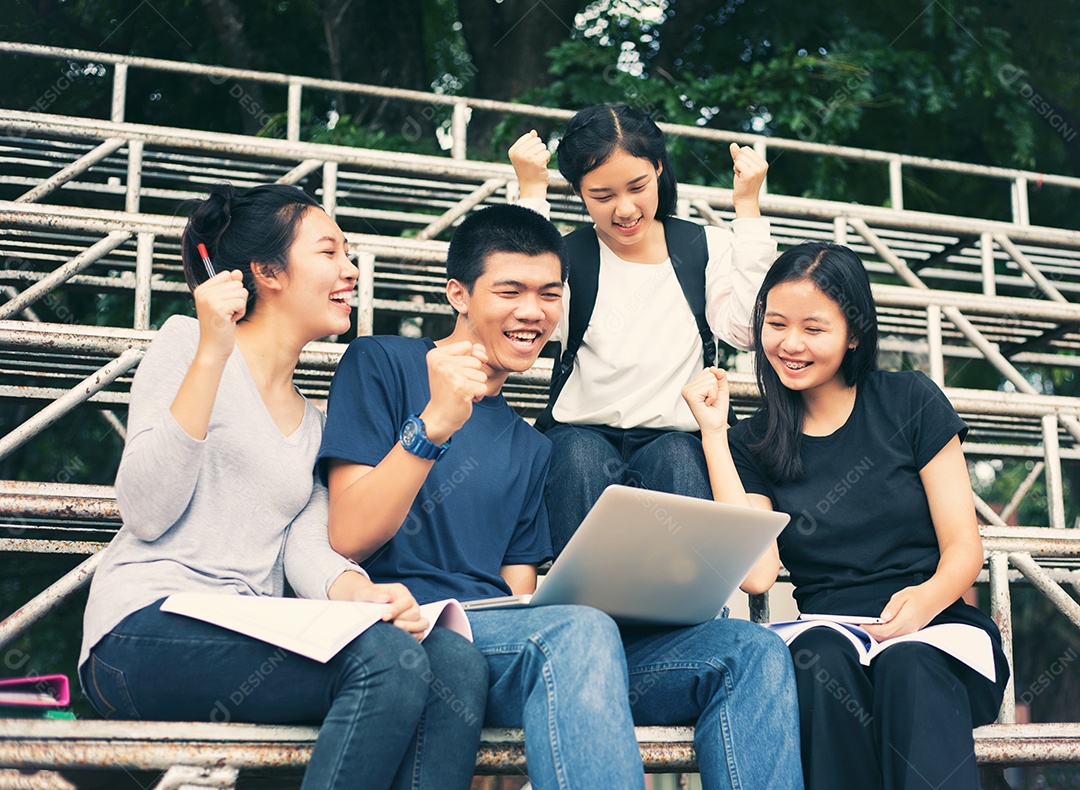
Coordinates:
(1028, 268)
(83, 163)
(61, 406)
(1047, 586)
(460, 209)
(988, 349)
(305, 168)
(134, 176)
(1022, 490)
(33, 610)
(1054, 489)
(987, 512)
(1001, 611)
(365, 284)
(65, 272)
(144, 266)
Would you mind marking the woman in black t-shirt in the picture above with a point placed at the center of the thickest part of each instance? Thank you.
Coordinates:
(869, 466)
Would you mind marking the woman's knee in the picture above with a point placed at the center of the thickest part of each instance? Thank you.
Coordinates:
(457, 663)
(822, 649)
(385, 661)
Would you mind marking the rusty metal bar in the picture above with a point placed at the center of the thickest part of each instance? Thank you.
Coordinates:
(1001, 611)
(134, 176)
(708, 213)
(292, 130)
(896, 183)
(305, 168)
(26, 312)
(329, 188)
(13, 626)
(935, 343)
(114, 423)
(474, 198)
(988, 349)
(1022, 491)
(32, 546)
(144, 265)
(189, 777)
(83, 163)
(1029, 268)
(1055, 497)
(63, 273)
(986, 255)
(1047, 586)
(119, 92)
(365, 294)
(987, 512)
(78, 394)
(459, 130)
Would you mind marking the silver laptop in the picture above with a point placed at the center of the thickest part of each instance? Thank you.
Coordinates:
(647, 557)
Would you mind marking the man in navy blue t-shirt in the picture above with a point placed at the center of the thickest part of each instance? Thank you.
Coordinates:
(435, 482)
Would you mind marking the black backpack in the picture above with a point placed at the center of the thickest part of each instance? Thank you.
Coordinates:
(689, 253)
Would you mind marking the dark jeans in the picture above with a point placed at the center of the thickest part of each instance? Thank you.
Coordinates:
(395, 713)
(586, 459)
(904, 722)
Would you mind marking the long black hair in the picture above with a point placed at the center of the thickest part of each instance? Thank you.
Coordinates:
(838, 273)
(595, 133)
(256, 225)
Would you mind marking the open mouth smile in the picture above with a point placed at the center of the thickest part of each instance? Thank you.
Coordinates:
(523, 339)
(341, 299)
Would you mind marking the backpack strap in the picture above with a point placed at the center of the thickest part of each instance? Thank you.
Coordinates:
(583, 251)
(689, 252)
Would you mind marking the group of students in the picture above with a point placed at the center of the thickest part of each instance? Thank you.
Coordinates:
(422, 483)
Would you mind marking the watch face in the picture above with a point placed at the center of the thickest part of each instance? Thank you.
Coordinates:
(408, 433)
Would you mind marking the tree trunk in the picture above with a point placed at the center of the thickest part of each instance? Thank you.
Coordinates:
(383, 44)
(508, 43)
(227, 20)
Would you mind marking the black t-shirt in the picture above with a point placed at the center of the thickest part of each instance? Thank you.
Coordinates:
(860, 522)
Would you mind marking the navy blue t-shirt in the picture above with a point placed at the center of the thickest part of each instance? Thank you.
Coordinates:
(482, 505)
(859, 518)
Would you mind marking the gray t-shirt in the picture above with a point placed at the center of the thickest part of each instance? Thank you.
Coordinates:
(210, 515)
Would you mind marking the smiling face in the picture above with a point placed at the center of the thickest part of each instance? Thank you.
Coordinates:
(512, 310)
(320, 277)
(621, 196)
(805, 336)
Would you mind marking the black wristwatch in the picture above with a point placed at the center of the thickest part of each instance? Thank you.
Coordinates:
(414, 439)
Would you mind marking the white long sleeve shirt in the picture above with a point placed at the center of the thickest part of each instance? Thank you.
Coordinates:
(642, 344)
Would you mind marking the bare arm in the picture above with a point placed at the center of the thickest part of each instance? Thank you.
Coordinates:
(369, 504)
(707, 396)
(521, 578)
(948, 492)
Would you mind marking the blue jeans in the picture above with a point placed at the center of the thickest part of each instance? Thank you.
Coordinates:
(586, 459)
(395, 713)
(578, 684)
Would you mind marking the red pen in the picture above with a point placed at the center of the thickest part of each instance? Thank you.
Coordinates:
(206, 260)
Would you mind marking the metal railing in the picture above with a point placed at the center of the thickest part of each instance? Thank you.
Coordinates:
(1018, 181)
(946, 287)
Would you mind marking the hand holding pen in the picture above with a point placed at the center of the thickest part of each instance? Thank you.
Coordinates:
(220, 302)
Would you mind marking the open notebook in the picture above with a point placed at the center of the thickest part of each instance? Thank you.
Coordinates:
(316, 629)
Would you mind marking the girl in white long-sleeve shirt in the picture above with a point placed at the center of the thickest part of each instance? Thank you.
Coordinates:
(616, 415)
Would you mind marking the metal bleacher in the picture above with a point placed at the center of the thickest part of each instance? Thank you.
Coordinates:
(950, 290)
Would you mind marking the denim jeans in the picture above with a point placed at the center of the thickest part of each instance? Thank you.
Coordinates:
(578, 684)
(395, 713)
(586, 459)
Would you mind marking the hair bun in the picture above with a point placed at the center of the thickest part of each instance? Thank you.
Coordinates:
(212, 216)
